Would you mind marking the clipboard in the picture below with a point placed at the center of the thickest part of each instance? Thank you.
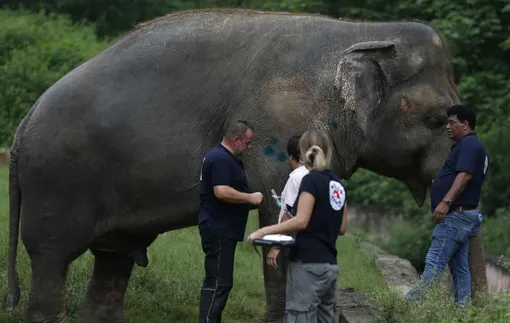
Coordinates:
(275, 240)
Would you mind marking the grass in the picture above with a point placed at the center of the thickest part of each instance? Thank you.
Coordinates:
(168, 289)
(438, 307)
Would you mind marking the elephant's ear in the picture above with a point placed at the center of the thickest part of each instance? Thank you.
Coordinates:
(361, 86)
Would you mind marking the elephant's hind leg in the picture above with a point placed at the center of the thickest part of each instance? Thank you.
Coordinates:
(54, 235)
(105, 295)
(47, 301)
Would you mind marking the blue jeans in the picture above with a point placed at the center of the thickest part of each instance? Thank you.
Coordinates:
(450, 241)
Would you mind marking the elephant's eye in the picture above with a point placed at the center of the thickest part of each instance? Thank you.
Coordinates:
(438, 121)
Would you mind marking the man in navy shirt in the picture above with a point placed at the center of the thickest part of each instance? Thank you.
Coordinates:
(225, 201)
(455, 195)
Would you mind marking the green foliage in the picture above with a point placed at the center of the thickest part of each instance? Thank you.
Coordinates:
(410, 240)
(368, 188)
(496, 237)
(289, 5)
(496, 309)
(109, 18)
(496, 191)
(439, 307)
(35, 51)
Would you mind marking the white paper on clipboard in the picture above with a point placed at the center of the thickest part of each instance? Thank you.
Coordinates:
(277, 237)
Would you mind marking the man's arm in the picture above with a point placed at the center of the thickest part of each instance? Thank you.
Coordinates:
(458, 186)
(297, 223)
(221, 178)
(306, 202)
(231, 195)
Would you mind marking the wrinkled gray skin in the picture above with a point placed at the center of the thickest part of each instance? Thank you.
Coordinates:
(109, 157)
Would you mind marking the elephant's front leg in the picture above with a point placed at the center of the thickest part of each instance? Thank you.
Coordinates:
(105, 295)
(274, 279)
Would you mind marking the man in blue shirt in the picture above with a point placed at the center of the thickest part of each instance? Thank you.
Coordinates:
(225, 201)
(455, 195)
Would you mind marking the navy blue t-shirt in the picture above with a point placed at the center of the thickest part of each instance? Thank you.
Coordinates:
(466, 155)
(220, 167)
(317, 243)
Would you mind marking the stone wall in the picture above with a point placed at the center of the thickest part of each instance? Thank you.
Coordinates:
(373, 219)
(498, 277)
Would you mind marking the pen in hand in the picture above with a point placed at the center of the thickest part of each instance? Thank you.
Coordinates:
(273, 194)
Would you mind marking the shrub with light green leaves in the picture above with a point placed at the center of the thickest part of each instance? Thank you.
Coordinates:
(35, 51)
(496, 237)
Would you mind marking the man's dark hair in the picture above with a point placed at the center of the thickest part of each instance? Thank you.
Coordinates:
(463, 113)
(293, 147)
(237, 128)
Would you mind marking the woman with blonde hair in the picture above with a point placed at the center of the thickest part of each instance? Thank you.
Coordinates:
(320, 216)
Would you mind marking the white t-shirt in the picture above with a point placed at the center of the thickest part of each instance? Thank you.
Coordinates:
(291, 189)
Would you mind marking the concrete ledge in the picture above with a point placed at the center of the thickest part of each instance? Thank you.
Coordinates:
(398, 273)
(355, 308)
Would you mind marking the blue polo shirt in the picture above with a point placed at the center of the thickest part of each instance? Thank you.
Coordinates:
(468, 155)
(220, 167)
(317, 243)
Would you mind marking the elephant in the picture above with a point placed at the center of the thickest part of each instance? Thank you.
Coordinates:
(97, 162)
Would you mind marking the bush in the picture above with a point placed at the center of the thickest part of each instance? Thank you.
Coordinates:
(496, 237)
(368, 188)
(496, 191)
(410, 240)
(35, 51)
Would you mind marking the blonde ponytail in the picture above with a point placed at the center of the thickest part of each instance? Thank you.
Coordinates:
(315, 159)
(315, 150)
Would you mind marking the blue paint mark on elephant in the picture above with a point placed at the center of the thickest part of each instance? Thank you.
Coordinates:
(281, 156)
(268, 151)
(334, 124)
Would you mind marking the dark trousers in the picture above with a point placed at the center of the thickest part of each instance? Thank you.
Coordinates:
(219, 274)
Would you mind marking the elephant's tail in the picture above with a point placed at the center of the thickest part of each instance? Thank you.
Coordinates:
(13, 292)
